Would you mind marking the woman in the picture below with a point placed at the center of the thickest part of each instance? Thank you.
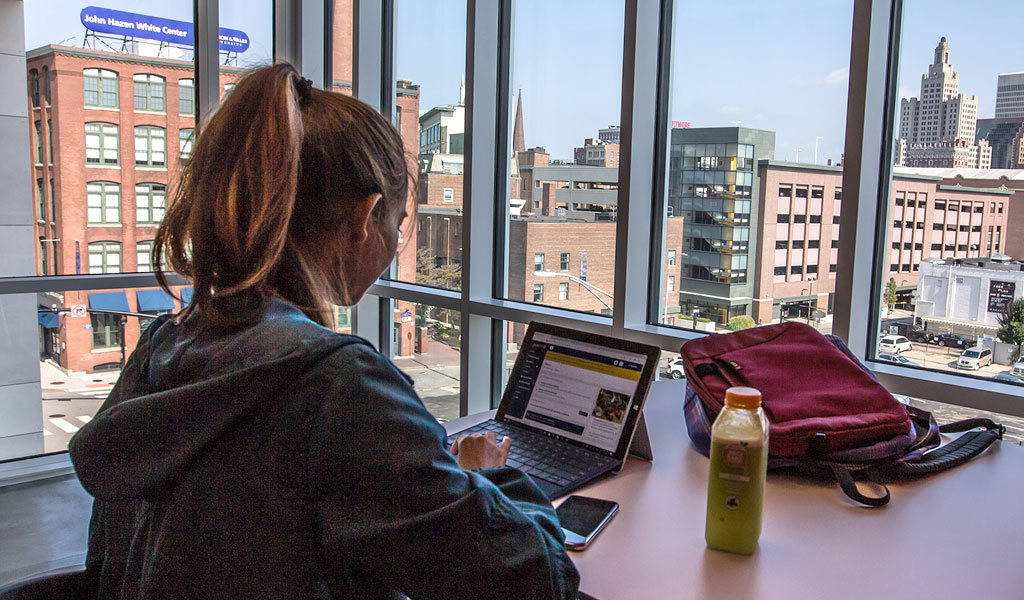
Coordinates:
(247, 450)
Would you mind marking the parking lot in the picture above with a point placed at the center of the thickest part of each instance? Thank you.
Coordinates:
(945, 358)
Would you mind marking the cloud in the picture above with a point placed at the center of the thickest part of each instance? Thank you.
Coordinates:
(838, 76)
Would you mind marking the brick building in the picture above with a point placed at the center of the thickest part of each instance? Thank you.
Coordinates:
(797, 264)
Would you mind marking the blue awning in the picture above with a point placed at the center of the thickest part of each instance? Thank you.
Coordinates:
(186, 295)
(49, 320)
(109, 301)
(151, 300)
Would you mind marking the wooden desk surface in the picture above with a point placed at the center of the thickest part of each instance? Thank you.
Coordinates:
(958, 534)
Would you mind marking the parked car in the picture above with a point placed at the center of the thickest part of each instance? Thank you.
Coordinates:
(894, 344)
(675, 368)
(1008, 378)
(974, 358)
(912, 333)
(1018, 368)
(952, 340)
(896, 358)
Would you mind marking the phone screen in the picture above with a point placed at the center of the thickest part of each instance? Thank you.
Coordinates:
(582, 517)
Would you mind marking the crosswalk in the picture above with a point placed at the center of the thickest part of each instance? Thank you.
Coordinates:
(66, 425)
(92, 392)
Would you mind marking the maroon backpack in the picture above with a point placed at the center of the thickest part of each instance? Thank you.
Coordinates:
(828, 415)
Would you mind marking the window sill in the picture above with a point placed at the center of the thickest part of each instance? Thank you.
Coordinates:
(149, 168)
(105, 350)
(149, 112)
(104, 108)
(91, 166)
(100, 225)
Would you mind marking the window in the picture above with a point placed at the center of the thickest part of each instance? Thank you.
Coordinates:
(40, 201)
(449, 194)
(185, 143)
(103, 199)
(39, 142)
(538, 262)
(149, 92)
(150, 146)
(101, 144)
(782, 218)
(104, 257)
(538, 292)
(671, 283)
(144, 256)
(42, 258)
(780, 271)
(35, 88)
(781, 244)
(107, 330)
(563, 292)
(49, 135)
(798, 244)
(186, 97)
(149, 203)
(563, 261)
(100, 88)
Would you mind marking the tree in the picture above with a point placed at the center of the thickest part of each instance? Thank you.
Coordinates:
(1011, 324)
(447, 276)
(740, 322)
(890, 293)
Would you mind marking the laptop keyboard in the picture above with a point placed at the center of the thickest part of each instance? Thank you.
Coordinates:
(541, 456)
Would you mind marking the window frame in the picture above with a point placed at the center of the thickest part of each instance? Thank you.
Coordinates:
(103, 137)
(99, 76)
(147, 134)
(105, 194)
(149, 193)
(152, 101)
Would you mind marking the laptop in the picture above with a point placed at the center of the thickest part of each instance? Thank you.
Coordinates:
(573, 405)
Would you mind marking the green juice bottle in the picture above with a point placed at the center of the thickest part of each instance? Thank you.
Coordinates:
(739, 461)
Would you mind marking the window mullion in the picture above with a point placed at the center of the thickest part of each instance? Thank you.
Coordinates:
(207, 55)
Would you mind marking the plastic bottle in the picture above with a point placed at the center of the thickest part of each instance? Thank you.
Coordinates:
(739, 461)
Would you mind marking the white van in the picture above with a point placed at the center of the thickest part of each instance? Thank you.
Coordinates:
(894, 344)
(975, 358)
(1018, 368)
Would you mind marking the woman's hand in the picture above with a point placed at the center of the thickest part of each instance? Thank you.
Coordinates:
(481, 450)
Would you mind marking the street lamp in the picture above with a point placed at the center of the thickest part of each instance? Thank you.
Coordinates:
(696, 311)
(802, 290)
(593, 289)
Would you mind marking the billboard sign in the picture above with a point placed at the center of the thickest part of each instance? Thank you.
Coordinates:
(119, 22)
(1000, 295)
(680, 124)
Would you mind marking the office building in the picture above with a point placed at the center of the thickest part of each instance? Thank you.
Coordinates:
(1006, 138)
(1010, 96)
(938, 128)
(714, 185)
(597, 153)
(931, 218)
(609, 135)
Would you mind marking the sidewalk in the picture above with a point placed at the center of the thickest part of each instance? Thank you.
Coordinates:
(53, 379)
(438, 354)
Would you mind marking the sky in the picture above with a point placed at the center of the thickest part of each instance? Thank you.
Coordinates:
(781, 65)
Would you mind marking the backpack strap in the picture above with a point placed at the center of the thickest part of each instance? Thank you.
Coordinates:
(849, 486)
(980, 434)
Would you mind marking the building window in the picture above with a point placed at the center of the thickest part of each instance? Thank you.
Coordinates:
(40, 201)
(780, 271)
(149, 92)
(35, 88)
(101, 144)
(42, 258)
(185, 143)
(781, 244)
(39, 142)
(671, 258)
(538, 292)
(150, 200)
(538, 262)
(449, 194)
(563, 291)
(186, 97)
(150, 146)
(49, 135)
(671, 283)
(104, 257)
(103, 200)
(563, 260)
(107, 331)
(100, 88)
(782, 218)
(46, 85)
(144, 256)
(53, 207)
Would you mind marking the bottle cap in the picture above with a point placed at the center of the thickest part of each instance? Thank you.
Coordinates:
(742, 397)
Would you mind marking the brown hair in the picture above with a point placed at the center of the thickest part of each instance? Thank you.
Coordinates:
(269, 186)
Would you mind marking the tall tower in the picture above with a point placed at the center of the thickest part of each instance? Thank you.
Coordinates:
(518, 137)
(1010, 96)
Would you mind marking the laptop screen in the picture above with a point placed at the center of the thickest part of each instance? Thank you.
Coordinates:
(574, 389)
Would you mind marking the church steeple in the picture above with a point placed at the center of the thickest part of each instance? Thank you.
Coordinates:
(518, 137)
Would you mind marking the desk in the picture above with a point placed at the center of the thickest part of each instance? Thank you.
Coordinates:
(958, 534)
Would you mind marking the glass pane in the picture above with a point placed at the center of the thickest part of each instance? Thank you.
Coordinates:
(754, 182)
(564, 154)
(430, 100)
(74, 340)
(952, 265)
(246, 39)
(425, 345)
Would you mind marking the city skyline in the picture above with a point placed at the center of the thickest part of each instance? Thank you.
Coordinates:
(800, 105)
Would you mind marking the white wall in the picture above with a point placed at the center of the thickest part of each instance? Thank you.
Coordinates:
(21, 418)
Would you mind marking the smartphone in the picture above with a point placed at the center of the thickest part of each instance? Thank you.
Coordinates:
(582, 518)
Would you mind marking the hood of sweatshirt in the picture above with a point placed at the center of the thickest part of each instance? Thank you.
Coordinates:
(183, 388)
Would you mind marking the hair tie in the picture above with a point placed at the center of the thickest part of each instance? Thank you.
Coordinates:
(304, 87)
